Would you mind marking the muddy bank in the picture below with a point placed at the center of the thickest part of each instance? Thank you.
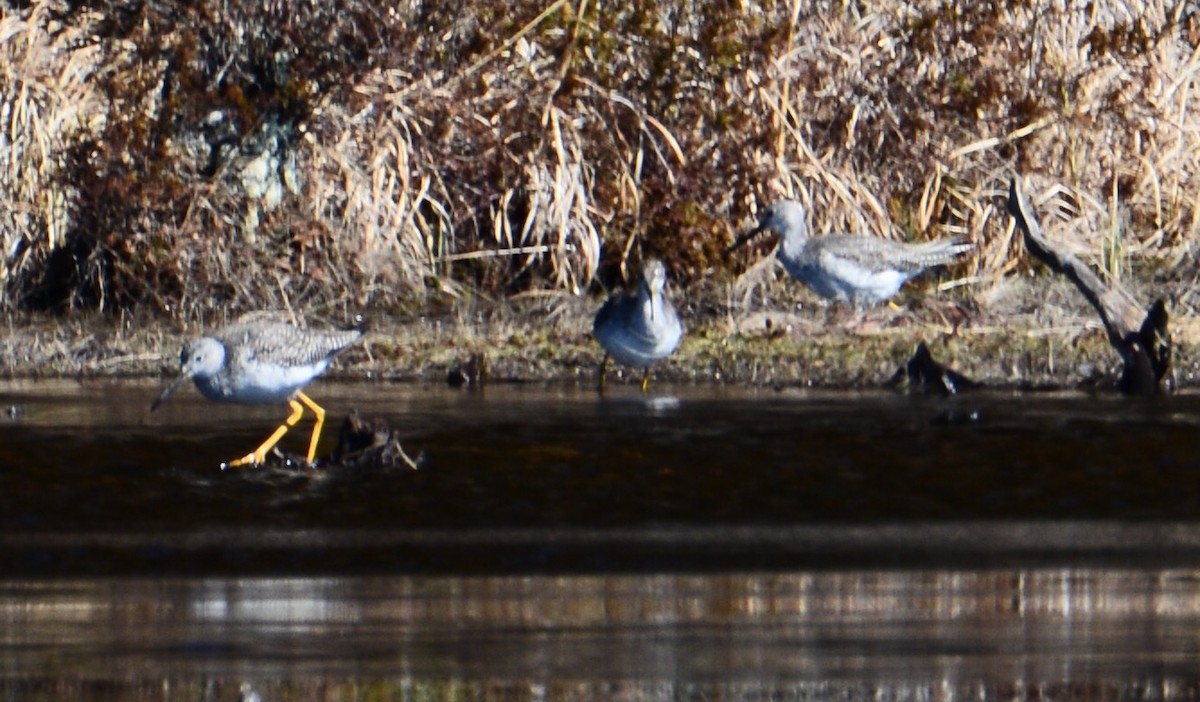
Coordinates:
(1030, 334)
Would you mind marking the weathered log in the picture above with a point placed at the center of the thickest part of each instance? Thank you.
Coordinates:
(922, 372)
(1141, 338)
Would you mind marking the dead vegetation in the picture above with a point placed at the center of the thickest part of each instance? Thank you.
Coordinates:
(204, 159)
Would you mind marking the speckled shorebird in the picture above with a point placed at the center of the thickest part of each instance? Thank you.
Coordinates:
(863, 270)
(261, 362)
(641, 327)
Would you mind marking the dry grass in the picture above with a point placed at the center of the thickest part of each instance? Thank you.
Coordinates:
(906, 120)
(444, 154)
(48, 101)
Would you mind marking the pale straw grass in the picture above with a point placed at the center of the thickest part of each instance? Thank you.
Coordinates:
(47, 102)
(380, 181)
(528, 150)
(866, 142)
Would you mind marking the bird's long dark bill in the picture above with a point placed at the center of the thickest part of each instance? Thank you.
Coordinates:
(170, 389)
(737, 243)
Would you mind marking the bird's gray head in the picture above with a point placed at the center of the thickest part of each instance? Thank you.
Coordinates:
(654, 276)
(785, 217)
(200, 358)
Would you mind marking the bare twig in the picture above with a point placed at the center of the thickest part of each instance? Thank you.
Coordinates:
(1142, 338)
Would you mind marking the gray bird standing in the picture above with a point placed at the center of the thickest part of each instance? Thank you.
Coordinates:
(639, 328)
(863, 270)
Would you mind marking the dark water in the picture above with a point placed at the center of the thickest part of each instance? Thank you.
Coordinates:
(696, 544)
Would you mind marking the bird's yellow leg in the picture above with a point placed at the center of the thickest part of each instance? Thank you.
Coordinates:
(316, 434)
(259, 454)
(646, 381)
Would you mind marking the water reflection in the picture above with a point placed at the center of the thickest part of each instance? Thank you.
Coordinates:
(91, 458)
(821, 635)
(698, 543)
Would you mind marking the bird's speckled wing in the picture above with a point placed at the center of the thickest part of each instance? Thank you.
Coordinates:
(875, 254)
(284, 344)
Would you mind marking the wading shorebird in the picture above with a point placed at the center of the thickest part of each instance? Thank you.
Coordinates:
(863, 270)
(641, 327)
(261, 362)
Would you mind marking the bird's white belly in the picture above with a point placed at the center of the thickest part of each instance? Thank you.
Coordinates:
(262, 383)
(640, 350)
(849, 282)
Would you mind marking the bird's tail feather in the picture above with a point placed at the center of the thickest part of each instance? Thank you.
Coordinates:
(940, 251)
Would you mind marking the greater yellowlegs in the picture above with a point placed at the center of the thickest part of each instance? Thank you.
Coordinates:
(863, 270)
(261, 362)
(641, 327)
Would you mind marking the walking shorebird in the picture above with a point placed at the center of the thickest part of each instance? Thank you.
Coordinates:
(261, 362)
(863, 270)
(641, 327)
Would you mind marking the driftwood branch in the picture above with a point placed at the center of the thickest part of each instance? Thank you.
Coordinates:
(1140, 337)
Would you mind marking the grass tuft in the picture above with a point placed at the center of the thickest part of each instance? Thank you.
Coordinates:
(208, 158)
